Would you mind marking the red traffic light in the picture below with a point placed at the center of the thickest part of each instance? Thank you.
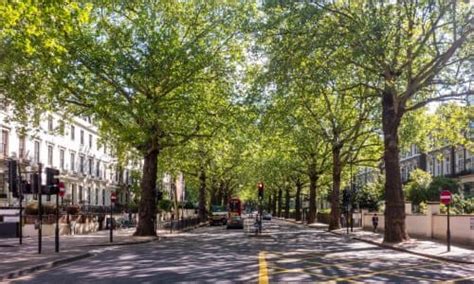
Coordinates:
(62, 190)
(113, 197)
(260, 187)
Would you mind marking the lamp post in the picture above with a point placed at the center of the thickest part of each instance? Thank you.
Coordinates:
(113, 198)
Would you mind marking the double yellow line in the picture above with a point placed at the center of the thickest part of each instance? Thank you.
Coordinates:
(262, 268)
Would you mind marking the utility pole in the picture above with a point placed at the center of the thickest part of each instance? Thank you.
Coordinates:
(20, 188)
(40, 208)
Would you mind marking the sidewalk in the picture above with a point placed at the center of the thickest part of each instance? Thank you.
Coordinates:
(427, 248)
(17, 260)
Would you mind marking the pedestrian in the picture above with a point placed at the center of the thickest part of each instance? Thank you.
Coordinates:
(375, 222)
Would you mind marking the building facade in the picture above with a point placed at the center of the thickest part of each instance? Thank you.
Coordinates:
(87, 167)
(174, 187)
(449, 161)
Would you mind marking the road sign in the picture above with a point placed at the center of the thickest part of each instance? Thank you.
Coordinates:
(445, 197)
(113, 197)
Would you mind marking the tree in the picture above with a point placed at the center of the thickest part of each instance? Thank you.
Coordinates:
(327, 95)
(413, 53)
(416, 190)
(149, 74)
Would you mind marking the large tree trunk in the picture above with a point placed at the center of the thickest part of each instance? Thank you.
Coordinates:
(279, 202)
(202, 212)
(214, 192)
(147, 206)
(274, 204)
(220, 193)
(336, 185)
(395, 230)
(298, 206)
(287, 202)
(313, 180)
(175, 198)
(269, 204)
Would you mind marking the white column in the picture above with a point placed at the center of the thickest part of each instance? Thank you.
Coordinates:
(432, 209)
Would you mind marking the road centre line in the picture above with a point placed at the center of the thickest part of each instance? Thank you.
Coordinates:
(262, 268)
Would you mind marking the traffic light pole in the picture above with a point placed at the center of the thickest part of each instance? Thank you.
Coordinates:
(260, 212)
(111, 223)
(20, 188)
(56, 238)
(448, 231)
(40, 208)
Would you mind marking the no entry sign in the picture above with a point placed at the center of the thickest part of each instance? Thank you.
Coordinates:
(445, 197)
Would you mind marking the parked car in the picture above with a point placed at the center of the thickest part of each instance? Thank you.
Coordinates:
(218, 215)
(267, 216)
(235, 222)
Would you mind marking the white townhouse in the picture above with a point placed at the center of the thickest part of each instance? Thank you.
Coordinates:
(87, 167)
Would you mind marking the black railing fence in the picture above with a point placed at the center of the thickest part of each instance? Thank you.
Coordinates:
(179, 225)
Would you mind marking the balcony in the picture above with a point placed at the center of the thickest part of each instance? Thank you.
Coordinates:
(463, 173)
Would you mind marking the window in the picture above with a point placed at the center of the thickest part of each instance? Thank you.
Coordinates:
(89, 196)
(80, 194)
(447, 166)
(61, 127)
(4, 143)
(81, 164)
(460, 162)
(50, 155)
(73, 193)
(82, 137)
(50, 124)
(36, 155)
(91, 165)
(73, 132)
(90, 141)
(21, 146)
(61, 159)
(103, 196)
(73, 161)
(97, 169)
(96, 196)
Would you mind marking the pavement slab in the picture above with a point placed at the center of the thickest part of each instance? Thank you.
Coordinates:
(17, 260)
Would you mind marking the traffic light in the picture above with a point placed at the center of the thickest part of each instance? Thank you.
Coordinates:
(346, 197)
(26, 187)
(35, 183)
(260, 187)
(13, 178)
(52, 182)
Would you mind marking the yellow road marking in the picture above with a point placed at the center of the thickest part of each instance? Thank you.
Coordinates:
(262, 271)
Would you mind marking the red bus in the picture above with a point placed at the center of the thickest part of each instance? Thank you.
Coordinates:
(235, 214)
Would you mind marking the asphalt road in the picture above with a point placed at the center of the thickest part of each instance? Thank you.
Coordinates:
(288, 253)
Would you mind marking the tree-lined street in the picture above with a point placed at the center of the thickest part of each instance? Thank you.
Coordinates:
(289, 252)
(198, 112)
